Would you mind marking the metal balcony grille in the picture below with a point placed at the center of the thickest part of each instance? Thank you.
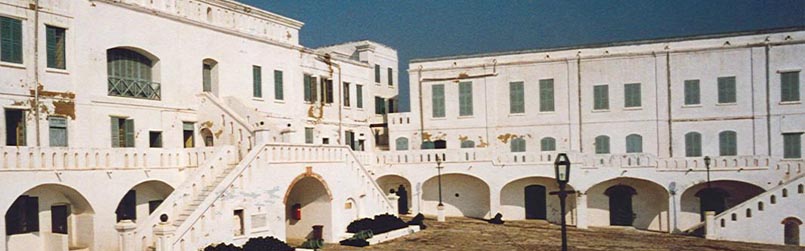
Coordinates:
(134, 88)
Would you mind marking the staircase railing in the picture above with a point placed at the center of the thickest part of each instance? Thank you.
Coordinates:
(221, 119)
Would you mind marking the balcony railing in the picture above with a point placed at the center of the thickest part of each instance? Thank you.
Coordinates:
(134, 88)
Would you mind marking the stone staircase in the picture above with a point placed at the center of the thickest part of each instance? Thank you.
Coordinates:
(760, 219)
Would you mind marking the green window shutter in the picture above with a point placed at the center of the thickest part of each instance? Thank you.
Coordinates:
(129, 132)
(328, 91)
(634, 143)
(359, 94)
(401, 144)
(346, 94)
(58, 131)
(308, 135)
(467, 144)
(391, 76)
(257, 81)
(465, 98)
(602, 145)
(278, 88)
(437, 95)
(55, 47)
(116, 132)
(546, 96)
(380, 105)
(306, 87)
(792, 145)
(601, 97)
(632, 95)
(516, 97)
(518, 145)
(727, 143)
(693, 144)
(377, 74)
(692, 93)
(10, 40)
(789, 86)
(726, 90)
(548, 144)
(206, 77)
(314, 92)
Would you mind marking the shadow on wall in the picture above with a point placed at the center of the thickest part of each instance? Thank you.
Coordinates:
(462, 195)
(308, 204)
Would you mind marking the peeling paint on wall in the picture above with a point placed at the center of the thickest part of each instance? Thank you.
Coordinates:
(64, 108)
(504, 138)
(482, 143)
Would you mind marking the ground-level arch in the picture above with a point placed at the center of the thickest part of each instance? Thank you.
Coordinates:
(141, 200)
(392, 184)
(640, 202)
(529, 198)
(716, 196)
(462, 195)
(308, 202)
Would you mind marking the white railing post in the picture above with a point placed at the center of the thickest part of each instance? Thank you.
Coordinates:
(710, 225)
(163, 233)
(125, 230)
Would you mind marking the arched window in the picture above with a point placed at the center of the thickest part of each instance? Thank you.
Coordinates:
(518, 145)
(760, 206)
(693, 144)
(547, 144)
(209, 14)
(209, 76)
(440, 144)
(727, 143)
(467, 144)
(791, 231)
(401, 144)
(130, 74)
(634, 143)
(748, 213)
(602, 144)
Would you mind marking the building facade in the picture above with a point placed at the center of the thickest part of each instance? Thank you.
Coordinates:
(212, 114)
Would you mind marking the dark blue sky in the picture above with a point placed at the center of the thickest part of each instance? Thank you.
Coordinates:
(420, 29)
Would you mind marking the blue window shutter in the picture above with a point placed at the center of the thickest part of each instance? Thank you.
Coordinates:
(546, 95)
(516, 99)
(726, 90)
(437, 96)
(465, 98)
(789, 86)
(278, 88)
(692, 93)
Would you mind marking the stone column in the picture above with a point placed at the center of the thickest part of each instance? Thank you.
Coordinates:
(394, 205)
(125, 230)
(440, 213)
(163, 234)
(710, 225)
(581, 210)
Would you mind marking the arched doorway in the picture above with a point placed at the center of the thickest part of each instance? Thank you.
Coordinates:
(207, 136)
(142, 200)
(535, 202)
(791, 231)
(528, 198)
(49, 215)
(721, 195)
(393, 184)
(624, 201)
(308, 202)
(621, 212)
(462, 195)
(209, 76)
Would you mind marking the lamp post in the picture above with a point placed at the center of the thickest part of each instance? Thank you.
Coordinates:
(707, 165)
(439, 208)
(562, 167)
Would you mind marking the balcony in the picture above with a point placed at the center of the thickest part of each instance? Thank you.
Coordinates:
(134, 88)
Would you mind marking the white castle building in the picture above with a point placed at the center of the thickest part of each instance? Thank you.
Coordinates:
(210, 112)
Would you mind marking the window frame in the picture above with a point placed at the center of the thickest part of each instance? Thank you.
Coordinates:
(14, 43)
(601, 97)
(59, 59)
(634, 143)
(547, 95)
(602, 144)
(437, 101)
(693, 144)
(632, 95)
(792, 92)
(518, 145)
(465, 102)
(728, 143)
(792, 140)
(547, 144)
(279, 85)
(64, 126)
(691, 86)
(727, 90)
(516, 97)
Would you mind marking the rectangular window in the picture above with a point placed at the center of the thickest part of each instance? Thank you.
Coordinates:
(15, 127)
(328, 85)
(390, 76)
(58, 131)
(306, 87)
(155, 139)
(359, 96)
(437, 100)
(122, 132)
(239, 227)
(600, 97)
(516, 97)
(631, 97)
(726, 90)
(308, 135)
(350, 139)
(188, 132)
(377, 73)
(58, 219)
(792, 145)
(56, 47)
(546, 97)
(10, 40)
(692, 94)
(465, 98)
(789, 86)
(346, 94)
(257, 82)
(380, 105)
(206, 77)
(279, 93)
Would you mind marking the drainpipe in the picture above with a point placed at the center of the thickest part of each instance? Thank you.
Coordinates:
(36, 71)
(768, 103)
(670, 111)
(578, 75)
(421, 117)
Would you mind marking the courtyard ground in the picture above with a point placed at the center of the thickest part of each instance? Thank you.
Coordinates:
(472, 234)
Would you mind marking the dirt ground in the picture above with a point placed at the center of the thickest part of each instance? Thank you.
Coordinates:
(472, 234)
